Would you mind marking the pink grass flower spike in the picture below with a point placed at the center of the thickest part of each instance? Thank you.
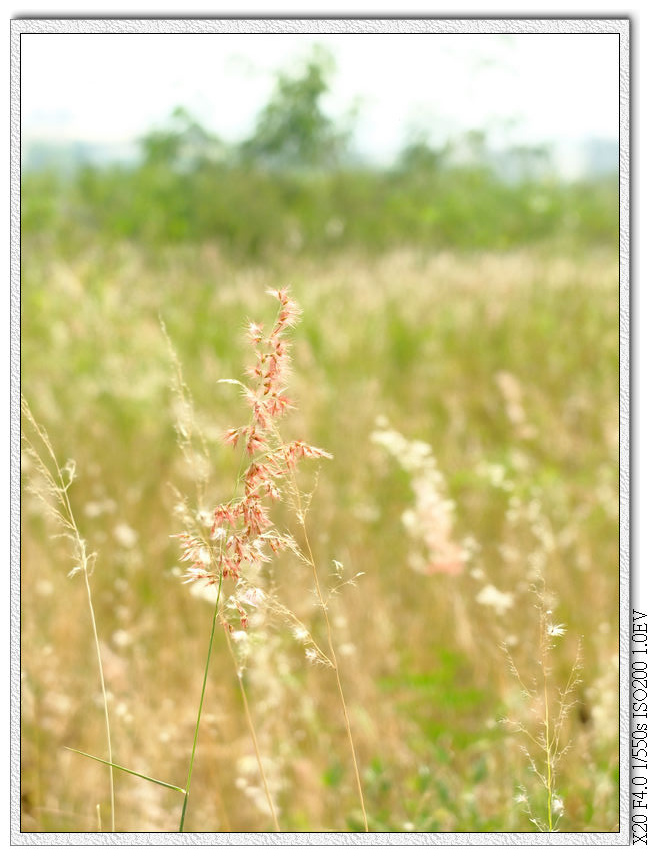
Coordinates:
(242, 528)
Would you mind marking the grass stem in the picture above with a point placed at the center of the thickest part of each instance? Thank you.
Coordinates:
(251, 727)
(200, 709)
(58, 487)
(303, 522)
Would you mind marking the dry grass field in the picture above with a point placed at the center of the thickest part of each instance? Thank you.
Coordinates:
(465, 535)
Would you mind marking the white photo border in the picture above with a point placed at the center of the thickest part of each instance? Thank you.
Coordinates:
(326, 25)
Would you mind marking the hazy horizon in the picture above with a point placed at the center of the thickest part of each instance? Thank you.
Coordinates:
(108, 89)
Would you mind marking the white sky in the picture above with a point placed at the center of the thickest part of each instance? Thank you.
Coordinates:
(108, 87)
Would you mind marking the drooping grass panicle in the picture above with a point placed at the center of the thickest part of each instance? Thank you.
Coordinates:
(53, 493)
(190, 436)
(430, 521)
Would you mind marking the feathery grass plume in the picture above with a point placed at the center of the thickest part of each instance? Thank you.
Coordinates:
(53, 493)
(241, 532)
(430, 522)
(241, 535)
(546, 715)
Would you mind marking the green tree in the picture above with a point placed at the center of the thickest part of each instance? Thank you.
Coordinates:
(292, 131)
(417, 156)
(182, 145)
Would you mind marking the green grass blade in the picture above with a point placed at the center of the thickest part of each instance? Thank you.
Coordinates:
(130, 771)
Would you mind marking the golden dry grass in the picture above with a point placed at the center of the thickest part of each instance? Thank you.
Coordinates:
(506, 365)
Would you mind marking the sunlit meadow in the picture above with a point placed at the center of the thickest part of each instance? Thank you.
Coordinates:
(465, 534)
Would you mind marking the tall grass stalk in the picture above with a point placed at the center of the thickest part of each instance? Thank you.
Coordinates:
(188, 783)
(302, 519)
(186, 429)
(57, 482)
(242, 530)
(251, 727)
(546, 719)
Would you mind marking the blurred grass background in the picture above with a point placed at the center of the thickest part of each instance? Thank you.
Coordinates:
(476, 313)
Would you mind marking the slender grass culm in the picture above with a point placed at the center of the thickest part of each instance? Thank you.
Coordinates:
(546, 712)
(241, 532)
(56, 482)
(194, 448)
